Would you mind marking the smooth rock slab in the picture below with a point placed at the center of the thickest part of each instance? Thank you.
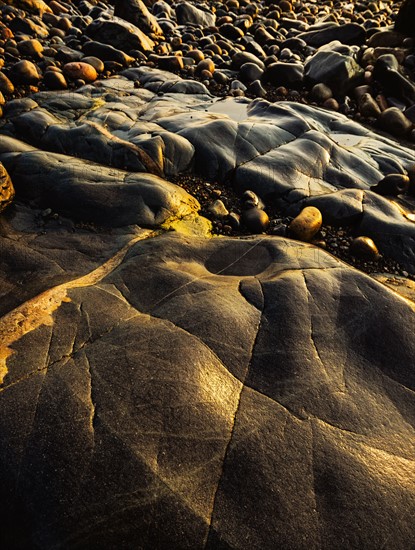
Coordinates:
(92, 192)
(209, 393)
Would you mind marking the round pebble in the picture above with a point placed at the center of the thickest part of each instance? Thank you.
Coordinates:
(79, 70)
(306, 224)
(256, 220)
(364, 248)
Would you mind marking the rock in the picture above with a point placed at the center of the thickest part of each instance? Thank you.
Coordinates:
(320, 92)
(404, 22)
(106, 52)
(252, 199)
(386, 72)
(91, 192)
(35, 6)
(389, 39)
(120, 34)
(168, 62)
(28, 26)
(392, 184)
(231, 31)
(364, 248)
(331, 103)
(394, 121)
(187, 14)
(24, 72)
(6, 188)
(80, 70)
(95, 62)
(205, 65)
(339, 72)
(368, 106)
(6, 85)
(256, 89)
(284, 74)
(255, 219)
(218, 209)
(339, 208)
(136, 12)
(207, 313)
(68, 55)
(240, 58)
(249, 72)
(350, 33)
(55, 80)
(307, 224)
(31, 48)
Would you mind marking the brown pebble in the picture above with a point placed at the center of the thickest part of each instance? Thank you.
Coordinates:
(24, 72)
(364, 248)
(205, 64)
(78, 70)
(331, 104)
(394, 121)
(6, 85)
(256, 220)
(54, 80)
(306, 224)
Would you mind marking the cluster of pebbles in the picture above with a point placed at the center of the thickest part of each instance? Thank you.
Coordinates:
(232, 215)
(357, 58)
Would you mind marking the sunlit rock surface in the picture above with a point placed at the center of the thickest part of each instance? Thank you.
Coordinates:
(288, 153)
(169, 391)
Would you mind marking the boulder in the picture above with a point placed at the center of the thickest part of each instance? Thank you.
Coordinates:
(120, 34)
(339, 72)
(136, 12)
(405, 20)
(349, 33)
(187, 14)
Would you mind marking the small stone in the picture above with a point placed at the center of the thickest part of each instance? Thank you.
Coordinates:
(368, 107)
(256, 220)
(280, 230)
(331, 104)
(95, 62)
(306, 224)
(251, 198)
(55, 80)
(205, 65)
(320, 92)
(6, 188)
(392, 184)
(6, 85)
(31, 48)
(234, 220)
(394, 121)
(79, 70)
(364, 248)
(24, 72)
(218, 209)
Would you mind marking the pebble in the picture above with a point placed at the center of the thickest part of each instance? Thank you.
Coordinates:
(256, 220)
(218, 209)
(364, 248)
(306, 224)
(24, 72)
(55, 80)
(394, 121)
(392, 184)
(79, 70)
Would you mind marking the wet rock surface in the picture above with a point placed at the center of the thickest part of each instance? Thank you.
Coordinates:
(178, 368)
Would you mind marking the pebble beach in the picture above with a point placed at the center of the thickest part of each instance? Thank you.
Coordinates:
(207, 251)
